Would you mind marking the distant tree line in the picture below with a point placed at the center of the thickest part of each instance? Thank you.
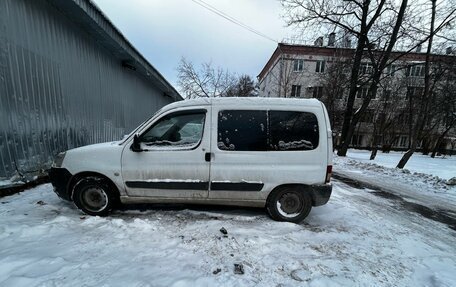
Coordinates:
(208, 81)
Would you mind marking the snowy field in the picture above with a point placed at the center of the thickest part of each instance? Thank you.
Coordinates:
(443, 167)
(357, 239)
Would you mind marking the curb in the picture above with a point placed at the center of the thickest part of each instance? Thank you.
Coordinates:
(10, 190)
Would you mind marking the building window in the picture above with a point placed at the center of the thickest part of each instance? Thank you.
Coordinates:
(356, 140)
(368, 116)
(295, 91)
(415, 71)
(362, 93)
(298, 65)
(320, 67)
(340, 94)
(414, 92)
(317, 92)
(391, 70)
(365, 68)
(403, 118)
(378, 140)
(403, 141)
(387, 95)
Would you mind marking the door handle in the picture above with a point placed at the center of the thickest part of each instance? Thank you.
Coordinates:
(207, 156)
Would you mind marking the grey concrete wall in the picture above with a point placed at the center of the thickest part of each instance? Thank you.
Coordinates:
(60, 89)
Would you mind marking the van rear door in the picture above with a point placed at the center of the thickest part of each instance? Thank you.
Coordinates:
(330, 144)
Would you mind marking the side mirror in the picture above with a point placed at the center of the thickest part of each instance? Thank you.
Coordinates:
(136, 146)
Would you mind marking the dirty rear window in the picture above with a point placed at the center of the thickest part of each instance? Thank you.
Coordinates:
(256, 130)
(292, 130)
(242, 130)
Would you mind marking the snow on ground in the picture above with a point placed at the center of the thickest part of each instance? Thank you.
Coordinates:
(421, 187)
(443, 167)
(357, 239)
(4, 183)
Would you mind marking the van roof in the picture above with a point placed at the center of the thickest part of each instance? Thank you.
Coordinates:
(246, 101)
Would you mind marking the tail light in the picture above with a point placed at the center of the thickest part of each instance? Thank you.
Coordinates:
(328, 173)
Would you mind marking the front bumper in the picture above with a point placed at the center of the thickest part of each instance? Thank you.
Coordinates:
(60, 178)
(321, 194)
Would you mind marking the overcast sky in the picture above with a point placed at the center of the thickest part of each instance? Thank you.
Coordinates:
(164, 31)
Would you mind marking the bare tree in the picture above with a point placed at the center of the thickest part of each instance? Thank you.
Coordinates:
(206, 81)
(244, 87)
(354, 17)
(334, 84)
(387, 114)
(425, 100)
(445, 104)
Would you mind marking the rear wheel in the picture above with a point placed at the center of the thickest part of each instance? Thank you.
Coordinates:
(291, 204)
(94, 196)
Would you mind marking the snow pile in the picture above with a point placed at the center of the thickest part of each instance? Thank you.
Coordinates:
(357, 239)
(443, 167)
(426, 188)
(395, 173)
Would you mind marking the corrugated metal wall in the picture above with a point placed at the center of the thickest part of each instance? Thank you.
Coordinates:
(59, 89)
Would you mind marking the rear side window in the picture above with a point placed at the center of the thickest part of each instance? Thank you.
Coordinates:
(242, 130)
(255, 130)
(292, 130)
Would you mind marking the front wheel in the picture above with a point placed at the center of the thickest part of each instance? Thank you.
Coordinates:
(94, 196)
(291, 204)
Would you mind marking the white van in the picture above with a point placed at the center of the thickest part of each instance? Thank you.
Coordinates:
(261, 152)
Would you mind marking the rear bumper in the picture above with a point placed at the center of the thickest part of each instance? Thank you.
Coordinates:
(60, 177)
(321, 194)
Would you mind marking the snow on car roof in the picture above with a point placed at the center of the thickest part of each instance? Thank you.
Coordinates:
(245, 101)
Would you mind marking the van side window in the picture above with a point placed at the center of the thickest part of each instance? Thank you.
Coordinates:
(290, 130)
(181, 130)
(254, 130)
(242, 130)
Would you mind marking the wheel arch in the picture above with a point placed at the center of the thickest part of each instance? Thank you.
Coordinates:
(77, 177)
(304, 187)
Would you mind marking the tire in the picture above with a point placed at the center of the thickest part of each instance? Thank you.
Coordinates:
(94, 196)
(291, 204)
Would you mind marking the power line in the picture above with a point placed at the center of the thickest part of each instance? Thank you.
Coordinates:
(231, 19)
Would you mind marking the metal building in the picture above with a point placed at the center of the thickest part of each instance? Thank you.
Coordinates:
(68, 78)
